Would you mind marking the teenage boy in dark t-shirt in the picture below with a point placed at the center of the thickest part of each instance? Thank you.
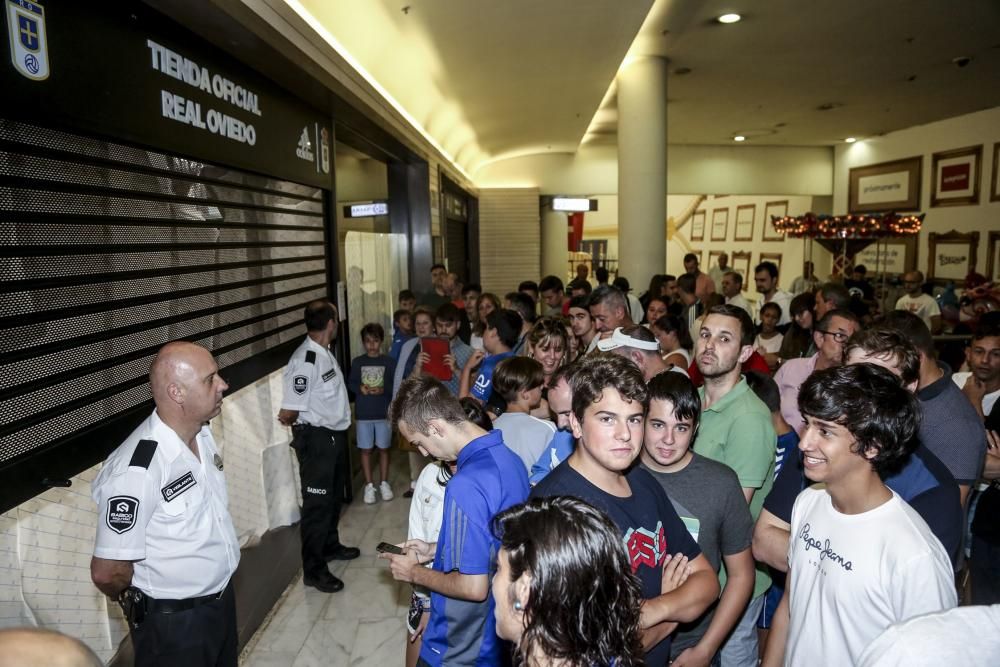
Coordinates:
(489, 479)
(609, 397)
(708, 498)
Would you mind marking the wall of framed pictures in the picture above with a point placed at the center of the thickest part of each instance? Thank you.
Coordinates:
(950, 170)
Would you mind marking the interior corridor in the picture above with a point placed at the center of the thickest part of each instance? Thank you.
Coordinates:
(362, 625)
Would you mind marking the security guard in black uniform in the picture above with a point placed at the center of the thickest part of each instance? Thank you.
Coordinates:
(315, 406)
(166, 548)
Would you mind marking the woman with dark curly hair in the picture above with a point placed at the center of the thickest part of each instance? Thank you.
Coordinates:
(564, 589)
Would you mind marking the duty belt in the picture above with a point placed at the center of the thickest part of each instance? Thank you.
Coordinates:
(174, 606)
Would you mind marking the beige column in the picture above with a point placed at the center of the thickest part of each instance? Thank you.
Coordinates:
(642, 170)
(555, 231)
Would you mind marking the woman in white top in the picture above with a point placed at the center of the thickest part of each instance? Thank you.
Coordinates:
(675, 340)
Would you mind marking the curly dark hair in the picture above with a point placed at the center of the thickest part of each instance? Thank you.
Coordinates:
(871, 403)
(606, 370)
(584, 600)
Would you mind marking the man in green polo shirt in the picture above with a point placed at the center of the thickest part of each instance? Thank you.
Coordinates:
(736, 430)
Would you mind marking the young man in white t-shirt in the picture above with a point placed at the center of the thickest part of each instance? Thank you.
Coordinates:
(860, 558)
(922, 305)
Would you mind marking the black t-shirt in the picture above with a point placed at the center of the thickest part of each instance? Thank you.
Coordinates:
(648, 522)
(923, 482)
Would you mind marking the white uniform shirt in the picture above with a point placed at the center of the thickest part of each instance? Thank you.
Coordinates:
(172, 518)
(851, 576)
(316, 389)
(740, 300)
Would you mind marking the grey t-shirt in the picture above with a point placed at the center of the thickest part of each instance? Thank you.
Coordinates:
(952, 429)
(709, 500)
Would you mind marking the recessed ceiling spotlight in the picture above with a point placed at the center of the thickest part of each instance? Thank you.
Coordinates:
(729, 18)
(850, 140)
(739, 137)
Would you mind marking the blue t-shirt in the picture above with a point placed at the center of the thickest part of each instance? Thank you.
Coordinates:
(789, 442)
(490, 478)
(560, 447)
(483, 386)
(647, 520)
(398, 338)
(923, 482)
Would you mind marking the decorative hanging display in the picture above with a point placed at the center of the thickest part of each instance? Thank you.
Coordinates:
(815, 226)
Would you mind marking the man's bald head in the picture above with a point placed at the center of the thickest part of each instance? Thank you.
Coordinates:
(36, 647)
(174, 363)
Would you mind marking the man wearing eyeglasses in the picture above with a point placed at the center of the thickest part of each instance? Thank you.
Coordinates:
(829, 336)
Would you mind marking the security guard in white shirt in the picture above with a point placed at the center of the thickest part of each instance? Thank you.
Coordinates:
(166, 548)
(315, 406)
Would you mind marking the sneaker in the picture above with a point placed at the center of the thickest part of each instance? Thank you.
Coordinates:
(369, 494)
(385, 490)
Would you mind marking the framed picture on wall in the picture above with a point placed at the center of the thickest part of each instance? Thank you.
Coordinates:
(955, 177)
(993, 259)
(773, 257)
(774, 209)
(951, 256)
(995, 182)
(893, 256)
(740, 261)
(744, 222)
(720, 224)
(887, 186)
(698, 226)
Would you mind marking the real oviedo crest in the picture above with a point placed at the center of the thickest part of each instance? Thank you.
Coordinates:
(26, 32)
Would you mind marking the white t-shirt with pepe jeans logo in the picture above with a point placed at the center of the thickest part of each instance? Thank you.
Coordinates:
(851, 576)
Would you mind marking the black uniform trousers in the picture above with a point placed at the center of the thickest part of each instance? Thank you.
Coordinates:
(322, 455)
(204, 636)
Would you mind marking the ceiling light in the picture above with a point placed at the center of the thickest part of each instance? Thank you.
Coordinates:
(739, 137)
(729, 18)
(850, 140)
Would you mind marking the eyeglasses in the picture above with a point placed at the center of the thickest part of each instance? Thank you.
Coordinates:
(838, 336)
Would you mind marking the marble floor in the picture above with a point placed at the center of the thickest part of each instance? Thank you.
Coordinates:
(364, 624)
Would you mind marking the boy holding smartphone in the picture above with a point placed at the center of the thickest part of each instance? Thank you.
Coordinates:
(489, 479)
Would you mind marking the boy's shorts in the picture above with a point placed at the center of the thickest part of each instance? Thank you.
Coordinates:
(373, 432)
(771, 600)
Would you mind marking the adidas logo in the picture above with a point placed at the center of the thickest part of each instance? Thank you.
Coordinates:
(304, 150)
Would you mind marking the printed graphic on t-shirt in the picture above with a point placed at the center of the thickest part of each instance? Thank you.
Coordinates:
(819, 551)
(690, 521)
(482, 384)
(646, 547)
(373, 377)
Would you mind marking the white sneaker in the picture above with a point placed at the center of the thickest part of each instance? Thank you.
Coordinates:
(385, 490)
(369, 494)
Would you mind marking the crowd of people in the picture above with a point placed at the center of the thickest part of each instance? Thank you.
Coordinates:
(680, 478)
(695, 479)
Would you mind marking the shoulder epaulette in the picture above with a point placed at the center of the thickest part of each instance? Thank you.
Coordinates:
(311, 357)
(143, 454)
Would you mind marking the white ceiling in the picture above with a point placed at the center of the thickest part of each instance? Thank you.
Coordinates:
(489, 79)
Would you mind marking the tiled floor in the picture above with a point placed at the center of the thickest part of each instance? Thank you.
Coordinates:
(364, 623)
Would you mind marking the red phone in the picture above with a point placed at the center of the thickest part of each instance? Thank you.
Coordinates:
(436, 349)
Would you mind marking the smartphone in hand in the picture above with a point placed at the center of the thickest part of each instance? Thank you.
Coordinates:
(385, 547)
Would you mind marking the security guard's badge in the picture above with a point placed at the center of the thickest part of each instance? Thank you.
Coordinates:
(299, 384)
(28, 45)
(122, 511)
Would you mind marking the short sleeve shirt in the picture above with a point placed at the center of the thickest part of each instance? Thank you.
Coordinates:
(169, 516)
(789, 379)
(738, 432)
(923, 306)
(710, 502)
(648, 522)
(490, 478)
(482, 387)
(314, 387)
